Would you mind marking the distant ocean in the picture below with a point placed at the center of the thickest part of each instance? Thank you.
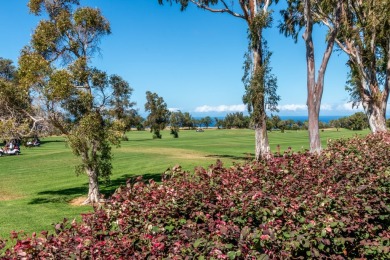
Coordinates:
(324, 119)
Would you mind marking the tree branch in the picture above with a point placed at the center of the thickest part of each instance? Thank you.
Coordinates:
(244, 9)
(266, 5)
(224, 10)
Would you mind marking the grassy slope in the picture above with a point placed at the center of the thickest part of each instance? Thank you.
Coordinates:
(35, 187)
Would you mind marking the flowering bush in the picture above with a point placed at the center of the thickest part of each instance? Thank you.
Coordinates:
(334, 205)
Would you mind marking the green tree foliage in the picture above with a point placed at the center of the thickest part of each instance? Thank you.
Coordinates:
(364, 37)
(260, 85)
(83, 102)
(122, 107)
(158, 117)
(188, 120)
(18, 118)
(176, 121)
(236, 120)
(357, 121)
(7, 70)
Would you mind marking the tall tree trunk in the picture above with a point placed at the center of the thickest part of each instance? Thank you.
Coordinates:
(315, 88)
(314, 91)
(93, 187)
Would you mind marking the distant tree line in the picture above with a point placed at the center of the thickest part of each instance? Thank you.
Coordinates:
(179, 120)
(357, 121)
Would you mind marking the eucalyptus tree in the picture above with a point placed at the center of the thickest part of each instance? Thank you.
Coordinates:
(77, 98)
(305, 14)
(365, 37)
(158, 117)
(260, 84)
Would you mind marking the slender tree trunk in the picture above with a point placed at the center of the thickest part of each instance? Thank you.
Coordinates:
(314, 91)
(314, 131)
(262, 148)
(93, 178)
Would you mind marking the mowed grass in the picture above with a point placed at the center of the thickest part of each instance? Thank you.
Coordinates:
(36, 188)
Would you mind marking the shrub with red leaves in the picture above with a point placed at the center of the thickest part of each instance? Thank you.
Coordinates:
(335, 205)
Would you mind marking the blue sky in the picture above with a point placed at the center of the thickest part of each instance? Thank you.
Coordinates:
(192, 59)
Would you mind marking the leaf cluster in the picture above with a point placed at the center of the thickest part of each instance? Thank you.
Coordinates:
(299, 205)
(184, 3)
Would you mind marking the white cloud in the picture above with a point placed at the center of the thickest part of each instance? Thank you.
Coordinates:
(348, 107)
(221, 108)
(292, 107)
(301, 107)
(326, 107)
(173, 109)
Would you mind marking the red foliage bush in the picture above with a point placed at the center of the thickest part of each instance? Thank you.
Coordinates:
(335, 205)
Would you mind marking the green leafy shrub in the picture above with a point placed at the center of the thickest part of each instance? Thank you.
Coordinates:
(335, 205)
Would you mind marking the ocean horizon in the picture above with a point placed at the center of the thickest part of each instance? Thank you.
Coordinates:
(324, 119)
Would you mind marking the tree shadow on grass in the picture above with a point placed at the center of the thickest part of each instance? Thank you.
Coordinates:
(66, 195)
(59, 196)
(245, 157)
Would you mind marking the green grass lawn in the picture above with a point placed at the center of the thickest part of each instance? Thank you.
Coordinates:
(37, 186)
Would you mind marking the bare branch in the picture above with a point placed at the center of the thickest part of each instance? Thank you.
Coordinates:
(244, 9)
(345, 49)
(224, 10)
(266, 5)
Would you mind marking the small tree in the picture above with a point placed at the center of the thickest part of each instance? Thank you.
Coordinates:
(358, 121)
(158, 117)
(218, 122)
(188, 120)
(122, 107)
(207, 121)
(282, 125)
(77, 98)
(335, 123)
(176, 121)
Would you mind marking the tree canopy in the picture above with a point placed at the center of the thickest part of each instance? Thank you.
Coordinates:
(83, 102)
(364, 37)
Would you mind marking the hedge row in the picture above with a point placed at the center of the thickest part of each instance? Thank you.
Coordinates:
(298, 205)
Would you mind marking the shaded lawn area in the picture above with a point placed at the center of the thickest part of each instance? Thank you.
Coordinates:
(36, 188)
